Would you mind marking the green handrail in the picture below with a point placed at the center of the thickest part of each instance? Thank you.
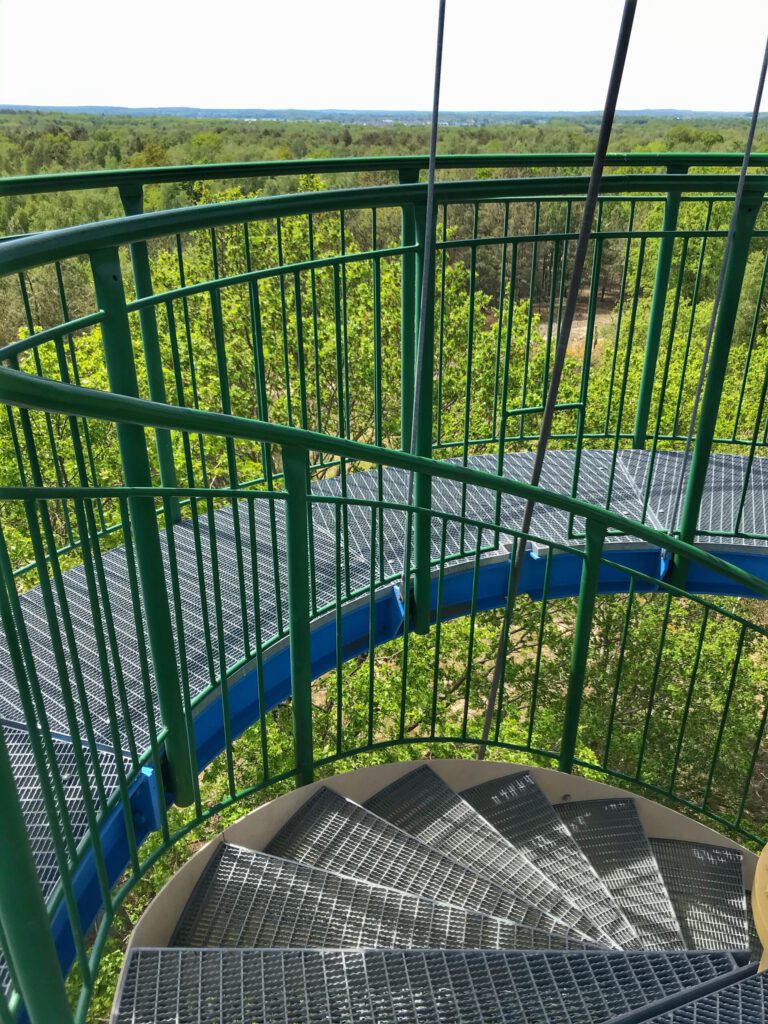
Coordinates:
(21, 389)
(35, 250)
(117, 178)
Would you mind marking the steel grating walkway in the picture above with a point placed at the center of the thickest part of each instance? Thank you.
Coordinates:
(706, 888)
(349, 917)
(642, 488)
(745, 1002)
(234, 986)
(424, 806)
(519, 811)
(249, 898)
(613, 838)
(337, 835)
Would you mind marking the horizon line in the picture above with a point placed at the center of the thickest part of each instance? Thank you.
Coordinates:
(360, 110)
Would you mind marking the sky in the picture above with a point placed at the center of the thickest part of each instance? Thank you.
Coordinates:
(361, 54)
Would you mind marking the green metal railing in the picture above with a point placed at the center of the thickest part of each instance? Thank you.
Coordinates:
(255, 358)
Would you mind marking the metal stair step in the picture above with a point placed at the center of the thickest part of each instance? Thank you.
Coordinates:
(427, 808)
(516, 807)
(234, 986)
(612, 836)
(755, 945)
(337, 835)
(744, 1002)
(249, 898)
(707, 891)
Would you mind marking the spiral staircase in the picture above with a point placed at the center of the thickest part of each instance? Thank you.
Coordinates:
(194, 549)
(400, 893)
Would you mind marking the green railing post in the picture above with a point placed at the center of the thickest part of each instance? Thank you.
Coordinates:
(422, 489)
(132, 197)
(296, 469)
(410, 289)
(718, 365)
(121, 370)
(24, 919)
(656, 319)
(595, 536)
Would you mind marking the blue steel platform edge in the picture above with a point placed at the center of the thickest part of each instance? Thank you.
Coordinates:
(565, 575)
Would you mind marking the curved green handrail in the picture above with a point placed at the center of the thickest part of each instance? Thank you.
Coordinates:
(132, 416)
(17, 388)
(23, 253)
(74, 180)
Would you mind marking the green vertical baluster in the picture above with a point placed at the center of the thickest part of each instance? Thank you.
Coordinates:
(118, 356)
(409, 292)
(692, 317)
(718, 364)
(724, 715)
(539, 648)
(656, 318)
(423, 483)
(295, 468)
(495, 419)
(619, 671)
(757, 322)
(438, 629)
(531, 301)
(132, 198)
(220, 643)
(468, 370)
(441, 329)
(471, 638)
(595, 536)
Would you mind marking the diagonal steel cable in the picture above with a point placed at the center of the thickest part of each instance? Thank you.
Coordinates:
(428, 261)
(563, 338)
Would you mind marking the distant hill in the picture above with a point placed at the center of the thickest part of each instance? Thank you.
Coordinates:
(448, 117)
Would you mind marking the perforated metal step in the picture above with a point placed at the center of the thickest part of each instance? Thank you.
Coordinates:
(707, 891)
(248, 898)
(335, 834)
(516, 807)
(175, 986)
(745, 1002)
(427, 808)
(612, 837)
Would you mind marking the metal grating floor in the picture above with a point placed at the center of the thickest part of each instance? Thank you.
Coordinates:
(612, 837)
(642, 488)
(25, 775)
(248, 898)
(516, 807)
(173, 986)
(745, 1002)
(337, 835)
(707, 891)
(423, 805)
